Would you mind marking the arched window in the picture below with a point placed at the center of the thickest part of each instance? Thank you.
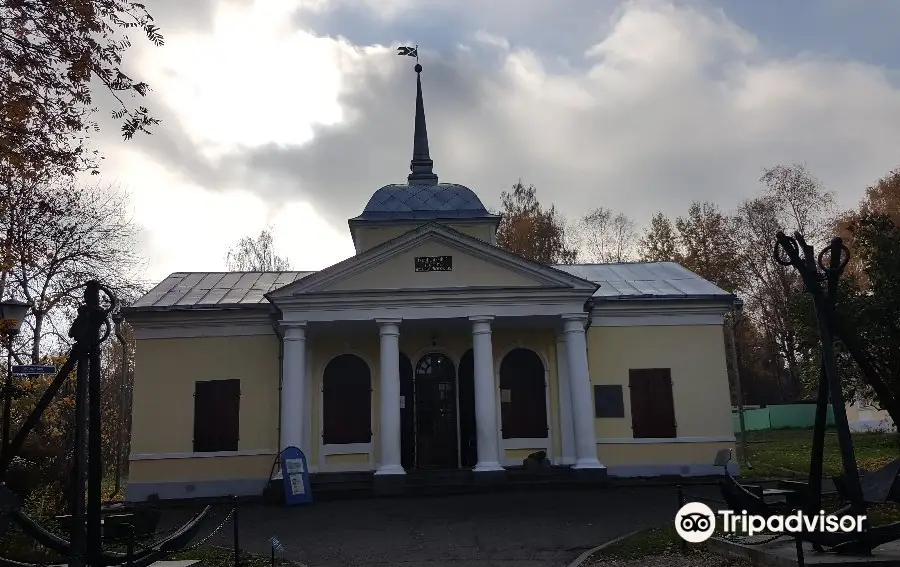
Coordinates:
(346, 401)
(523, 395)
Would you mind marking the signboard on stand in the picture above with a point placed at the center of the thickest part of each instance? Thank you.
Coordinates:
(295, 475)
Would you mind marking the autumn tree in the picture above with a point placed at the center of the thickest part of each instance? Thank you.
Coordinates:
(792, 199)
(605, 237)
(702, 241)
(659, 242)
(52, 56)
(256, 255)
(532, 231)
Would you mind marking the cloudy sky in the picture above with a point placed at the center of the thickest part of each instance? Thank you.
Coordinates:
(293, 112)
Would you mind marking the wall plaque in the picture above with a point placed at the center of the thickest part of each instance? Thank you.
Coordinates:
(434, 263)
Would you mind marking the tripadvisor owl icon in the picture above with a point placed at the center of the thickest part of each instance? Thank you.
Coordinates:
(695, 522)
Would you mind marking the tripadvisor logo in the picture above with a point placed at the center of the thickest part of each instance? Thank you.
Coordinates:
(696, 522)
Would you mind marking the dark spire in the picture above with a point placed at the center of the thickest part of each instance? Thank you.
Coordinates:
(421, 165)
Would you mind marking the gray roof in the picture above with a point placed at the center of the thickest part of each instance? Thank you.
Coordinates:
(415, 202)
(211, 290)
(646, 280)
(183, 290)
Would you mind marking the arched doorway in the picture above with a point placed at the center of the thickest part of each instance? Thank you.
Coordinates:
(435, 412)
(523, 395)
(346, 401)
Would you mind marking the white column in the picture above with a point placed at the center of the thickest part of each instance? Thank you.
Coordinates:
(389, 330)
(566, 425)
(580, 390)
(486, 432)
(294, 388)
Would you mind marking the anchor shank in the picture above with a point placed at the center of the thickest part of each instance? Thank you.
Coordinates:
(95, 447)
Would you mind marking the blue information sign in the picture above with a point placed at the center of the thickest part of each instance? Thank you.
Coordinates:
(295, 475)
(34, 369)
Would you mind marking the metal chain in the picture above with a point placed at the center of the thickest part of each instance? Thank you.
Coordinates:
(140, 547)
(743, 540)
(213, 533)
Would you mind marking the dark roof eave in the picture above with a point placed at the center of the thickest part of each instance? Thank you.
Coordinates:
(712, 298)
(196, 308)
(363, 218)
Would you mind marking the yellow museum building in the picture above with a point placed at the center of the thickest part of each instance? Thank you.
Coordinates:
(429, 349)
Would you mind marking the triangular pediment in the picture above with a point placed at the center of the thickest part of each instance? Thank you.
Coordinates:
(433, 257)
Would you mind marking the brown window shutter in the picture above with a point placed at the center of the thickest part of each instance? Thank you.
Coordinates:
(652, 403)
(217, 408)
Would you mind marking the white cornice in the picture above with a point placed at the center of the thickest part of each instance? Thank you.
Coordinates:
(638, 313)
(206, 323)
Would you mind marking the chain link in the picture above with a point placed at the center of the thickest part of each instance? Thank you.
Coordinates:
(213, 533)
(139, 547)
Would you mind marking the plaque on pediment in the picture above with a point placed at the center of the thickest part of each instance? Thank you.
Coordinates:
(434, 263)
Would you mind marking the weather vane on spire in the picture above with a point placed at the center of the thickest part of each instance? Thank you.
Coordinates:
(410, 52)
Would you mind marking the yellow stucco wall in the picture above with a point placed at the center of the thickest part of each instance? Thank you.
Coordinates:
(163, 406)
(659, 453)
(166, 370)
(399, 272)
(369, 237)
(696, 357)
(200, 469)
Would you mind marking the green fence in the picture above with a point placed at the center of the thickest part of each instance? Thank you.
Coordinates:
(779, 417)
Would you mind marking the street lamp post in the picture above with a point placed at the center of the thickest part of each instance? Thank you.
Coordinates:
(12, 313)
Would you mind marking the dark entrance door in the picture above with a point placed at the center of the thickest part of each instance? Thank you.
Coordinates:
(435, 417)
(407, 414)
(467, 434)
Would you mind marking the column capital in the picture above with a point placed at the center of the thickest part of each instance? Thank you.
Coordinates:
(294, 331)
(582, 317)
(388, 327)
(481, 318)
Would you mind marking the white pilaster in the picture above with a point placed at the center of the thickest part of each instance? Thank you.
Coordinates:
(486, 431)
(566, 425)
(389, 463)
(294, 388)
(580, 391)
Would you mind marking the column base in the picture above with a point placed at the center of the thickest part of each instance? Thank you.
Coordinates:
(592, 474)
(390, 470)
(587, 464)
(389, 484)
(488, 476)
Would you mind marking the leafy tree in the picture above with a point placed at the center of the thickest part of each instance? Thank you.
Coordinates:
(703, 241)
(51, 53)
(792, 199)
(709, 247)
(256, 255)
(57, 236)
(532, 231)
(605, 237)
(660, 242)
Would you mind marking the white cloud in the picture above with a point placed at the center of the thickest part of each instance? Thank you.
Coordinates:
(669, 104)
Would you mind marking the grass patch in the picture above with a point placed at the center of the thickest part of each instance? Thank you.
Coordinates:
(215, 556)
(658, 546)
(658, 540)
(785, 453)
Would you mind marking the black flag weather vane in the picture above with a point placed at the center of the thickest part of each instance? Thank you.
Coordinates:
(409, 51)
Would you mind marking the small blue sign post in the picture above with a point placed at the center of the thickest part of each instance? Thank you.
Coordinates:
(295, 475)
(33, 370)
